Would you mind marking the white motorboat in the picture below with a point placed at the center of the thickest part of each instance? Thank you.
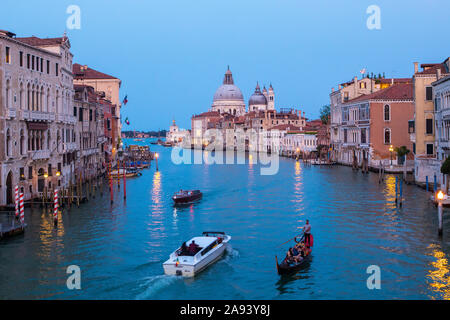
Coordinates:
(208, 249)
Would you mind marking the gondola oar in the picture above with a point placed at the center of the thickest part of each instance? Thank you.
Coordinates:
(292, 239)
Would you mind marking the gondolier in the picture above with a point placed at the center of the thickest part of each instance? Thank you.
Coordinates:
(307, 232)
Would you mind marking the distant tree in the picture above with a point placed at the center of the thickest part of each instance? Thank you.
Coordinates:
(401, 153)
(445, 169)
(325, 113)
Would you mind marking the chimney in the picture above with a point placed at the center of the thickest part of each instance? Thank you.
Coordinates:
(340, 87)
(392, 81)
(416, 67)
(438, 73)
(332, 89)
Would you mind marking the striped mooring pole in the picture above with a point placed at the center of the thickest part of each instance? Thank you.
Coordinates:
(17, 201)
(55, 207)
(22, 209)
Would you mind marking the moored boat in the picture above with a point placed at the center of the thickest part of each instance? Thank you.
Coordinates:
(197, 254)
(129, 173)
(186, 196)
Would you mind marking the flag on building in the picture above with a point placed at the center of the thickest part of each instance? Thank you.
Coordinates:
(125, 100)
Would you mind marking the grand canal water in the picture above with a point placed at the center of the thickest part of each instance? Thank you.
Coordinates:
(120, 248)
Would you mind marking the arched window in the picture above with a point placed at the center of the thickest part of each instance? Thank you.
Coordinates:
(41, 102)
(49, 137)
(8, 142)
(387, 136)
(21, 96)
(387, 113)
(8, 100)
(48, 100)
(22, 142)
(29, 96)
(33, 101)
(57, 102)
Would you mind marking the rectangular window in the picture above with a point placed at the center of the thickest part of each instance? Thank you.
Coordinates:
(414, 148)
(363, 135)
(345, 135)
(21, 58)
(48, 67)
(429, 93)
(49, 169)
(74, 111)
(59, 166)
(32, 62)
(8, 55)
(90, 115)
(56, 69)
(30, 172)
(411, 126)
(42, 65)
(430, 148)
(22, 173)
(429, 126)
(80, 115)
(37, 63)
(28, 61)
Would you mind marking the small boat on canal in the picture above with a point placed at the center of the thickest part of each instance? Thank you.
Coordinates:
(186, 196)
(197, 254)
(292, 264)
(129, 173)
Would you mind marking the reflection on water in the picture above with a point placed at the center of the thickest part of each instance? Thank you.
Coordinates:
(120, 247)
(439, 274)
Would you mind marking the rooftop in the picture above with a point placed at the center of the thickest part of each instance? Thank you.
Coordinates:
(401, 92)
(84, 72)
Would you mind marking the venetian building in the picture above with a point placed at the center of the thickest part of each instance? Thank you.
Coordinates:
(228, 97)
(36, 120)
(258, 101)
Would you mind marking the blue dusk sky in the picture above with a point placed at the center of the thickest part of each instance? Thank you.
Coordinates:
(171, 55)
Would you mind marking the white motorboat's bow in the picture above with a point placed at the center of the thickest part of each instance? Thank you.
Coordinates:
(199, 253)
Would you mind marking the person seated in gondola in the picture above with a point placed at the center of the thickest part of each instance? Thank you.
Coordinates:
(193, 248)
(297, 254)
(289, 256)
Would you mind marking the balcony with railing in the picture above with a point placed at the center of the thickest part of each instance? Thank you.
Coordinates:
(39, 154)
(33, 115)
(90, 151)
(70, 146)
(11, 113)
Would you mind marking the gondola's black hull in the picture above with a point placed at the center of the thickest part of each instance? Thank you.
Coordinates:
(282, 269)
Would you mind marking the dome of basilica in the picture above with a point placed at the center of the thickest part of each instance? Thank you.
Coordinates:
(228, 91)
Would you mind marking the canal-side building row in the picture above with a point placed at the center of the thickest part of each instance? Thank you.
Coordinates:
(48, 128)
(36, 122)
(353, 135)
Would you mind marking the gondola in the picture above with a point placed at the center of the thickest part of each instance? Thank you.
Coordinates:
(285, 268)
(186, 196)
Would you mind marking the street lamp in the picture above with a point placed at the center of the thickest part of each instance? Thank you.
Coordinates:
(440, 196)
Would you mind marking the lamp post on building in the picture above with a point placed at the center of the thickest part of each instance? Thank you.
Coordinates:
(391, 149)
(440, 197)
